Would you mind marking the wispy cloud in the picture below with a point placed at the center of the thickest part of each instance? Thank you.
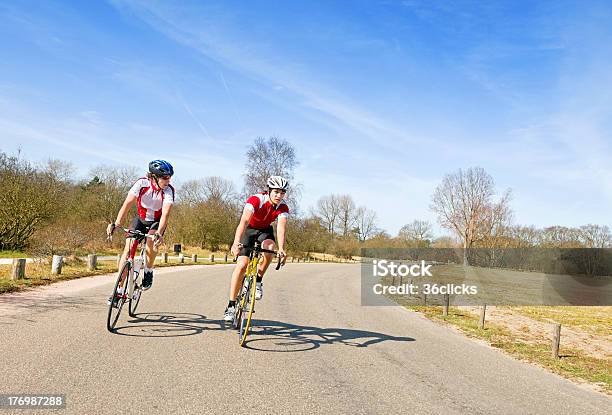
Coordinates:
(265, 67)
(231, 98)
(194, 118)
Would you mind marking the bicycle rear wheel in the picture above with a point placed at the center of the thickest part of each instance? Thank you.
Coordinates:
(247, 312)
(118, 298)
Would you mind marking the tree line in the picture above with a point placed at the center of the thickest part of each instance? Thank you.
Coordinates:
(44, 209)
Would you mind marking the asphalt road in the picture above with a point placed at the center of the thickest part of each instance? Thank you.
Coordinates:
(314, 349)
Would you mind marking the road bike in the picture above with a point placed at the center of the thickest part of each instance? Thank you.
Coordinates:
(128, 287)
(245, 302)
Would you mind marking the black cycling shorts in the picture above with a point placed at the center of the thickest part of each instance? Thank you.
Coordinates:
(251, 235)
(143, 226)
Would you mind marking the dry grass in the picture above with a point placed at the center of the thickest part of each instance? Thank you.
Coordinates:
(594, 320)
(40, 273)
(573, 364)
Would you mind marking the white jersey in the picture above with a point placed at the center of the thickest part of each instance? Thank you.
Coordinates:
(151, 198)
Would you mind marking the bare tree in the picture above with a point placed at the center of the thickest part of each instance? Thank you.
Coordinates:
(115, 181)
(268, 157)
(524, 236)
(328, 211)
(494, 230)
(346, 216)
(192, 192)
(365, 220)
(463, 203)
(213, 188)
(560, 237)
(595, 236)
(417, 232)
(219, 189)
(61, 170)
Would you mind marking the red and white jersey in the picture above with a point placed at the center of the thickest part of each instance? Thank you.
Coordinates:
(264, 212)
(151, 198)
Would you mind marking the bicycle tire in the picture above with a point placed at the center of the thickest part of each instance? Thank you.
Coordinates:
(112, 318)
(133, 304)
(245, 320)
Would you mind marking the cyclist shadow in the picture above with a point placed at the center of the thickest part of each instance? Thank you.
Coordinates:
(286, 337)
(168, 324)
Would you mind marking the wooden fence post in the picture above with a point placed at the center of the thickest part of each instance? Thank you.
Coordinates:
(92, 261)
(56, 264)
(483, 313)
(194, 257)
(446, 304)
(118, 259)
(165, 257)
(556, 340)
(18, 268)
(181, 258)
(212, 258)
(225, 259)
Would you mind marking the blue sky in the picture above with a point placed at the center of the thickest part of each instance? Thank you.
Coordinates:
(380, 99)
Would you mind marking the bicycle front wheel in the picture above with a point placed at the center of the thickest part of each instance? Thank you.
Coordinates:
(247, 312)
(134, 301)
(118, 297)
(241, 301)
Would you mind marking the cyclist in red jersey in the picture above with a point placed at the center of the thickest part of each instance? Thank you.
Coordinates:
(154, 196)
(255, 224)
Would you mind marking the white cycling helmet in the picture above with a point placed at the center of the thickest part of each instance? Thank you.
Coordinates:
(278, 182)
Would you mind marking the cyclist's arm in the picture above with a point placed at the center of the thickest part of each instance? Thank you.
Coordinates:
(241, 228)
(281, 231)
(127, 204)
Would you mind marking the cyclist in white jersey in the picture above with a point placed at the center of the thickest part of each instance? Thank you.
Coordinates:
(154, 196)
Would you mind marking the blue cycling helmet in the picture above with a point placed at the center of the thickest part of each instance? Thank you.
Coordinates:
(161, 168)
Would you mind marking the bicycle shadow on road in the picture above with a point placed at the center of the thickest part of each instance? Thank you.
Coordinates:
(286, 337)
(168, 324)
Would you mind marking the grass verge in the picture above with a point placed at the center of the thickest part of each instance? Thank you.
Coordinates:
(573, 363)
(40, 274)
(13, 254)
(594, 320)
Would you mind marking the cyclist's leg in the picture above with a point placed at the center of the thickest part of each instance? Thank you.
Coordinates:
(136, 224)
(248, 239)
(151, 248)
(124, 254)
(237, 276)
(268, 241)
(267, 258)
(151, 254)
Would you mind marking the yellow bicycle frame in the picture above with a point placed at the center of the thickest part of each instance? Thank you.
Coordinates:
(251, 272)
